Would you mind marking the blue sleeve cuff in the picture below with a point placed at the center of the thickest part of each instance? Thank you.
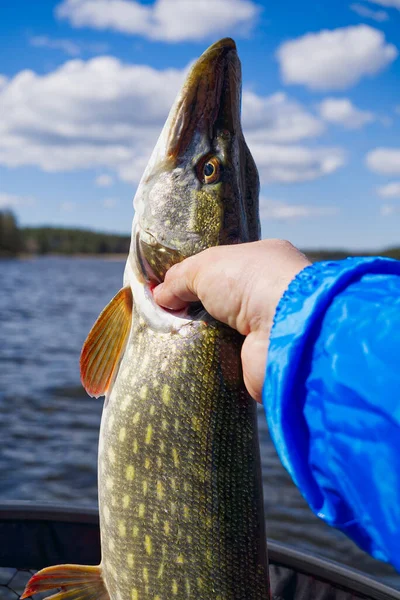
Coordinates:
(291, 357)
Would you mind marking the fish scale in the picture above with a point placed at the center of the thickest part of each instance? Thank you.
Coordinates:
(182, 530)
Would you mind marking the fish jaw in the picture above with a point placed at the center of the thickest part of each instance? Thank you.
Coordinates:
(156, 317)
(179, 210)
(168, 142)
(209, 99)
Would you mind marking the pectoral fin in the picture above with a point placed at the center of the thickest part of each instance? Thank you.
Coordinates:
(76, 582)
(105, 344)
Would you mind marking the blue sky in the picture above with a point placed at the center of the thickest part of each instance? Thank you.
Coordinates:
(85, 86)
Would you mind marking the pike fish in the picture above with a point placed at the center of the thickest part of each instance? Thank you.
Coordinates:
(180, 493)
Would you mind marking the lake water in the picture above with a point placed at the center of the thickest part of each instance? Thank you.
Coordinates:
(49, 427)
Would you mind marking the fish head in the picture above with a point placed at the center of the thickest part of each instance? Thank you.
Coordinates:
(200, 188)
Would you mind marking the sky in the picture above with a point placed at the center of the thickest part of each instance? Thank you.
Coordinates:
(85, 87)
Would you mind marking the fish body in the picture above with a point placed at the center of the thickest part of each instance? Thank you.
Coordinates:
(179, 476)
(180, 493)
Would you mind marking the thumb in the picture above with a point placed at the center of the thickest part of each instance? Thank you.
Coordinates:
(178, 288)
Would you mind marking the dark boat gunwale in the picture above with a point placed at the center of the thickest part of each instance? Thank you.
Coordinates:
(15, 514)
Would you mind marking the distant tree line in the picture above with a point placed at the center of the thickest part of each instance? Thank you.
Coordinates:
(11, 242)
(318, 255)
(56, 240)
(52, 240)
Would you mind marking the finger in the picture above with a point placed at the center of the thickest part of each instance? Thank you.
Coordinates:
(177, 290)
(254, 360)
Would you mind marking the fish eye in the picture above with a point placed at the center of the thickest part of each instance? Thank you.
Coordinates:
(210, 170)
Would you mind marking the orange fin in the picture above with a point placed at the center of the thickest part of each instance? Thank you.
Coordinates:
(76, 582)
(105, 344)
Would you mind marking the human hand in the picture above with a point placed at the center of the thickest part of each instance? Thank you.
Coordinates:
(241, 286)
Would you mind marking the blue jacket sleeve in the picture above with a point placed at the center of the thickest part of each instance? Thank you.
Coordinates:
(332, 396)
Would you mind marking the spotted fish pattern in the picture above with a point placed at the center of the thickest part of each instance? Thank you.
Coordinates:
(179, 471)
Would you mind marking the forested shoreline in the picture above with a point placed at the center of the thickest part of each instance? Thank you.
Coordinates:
(40, 241)
(15, 241)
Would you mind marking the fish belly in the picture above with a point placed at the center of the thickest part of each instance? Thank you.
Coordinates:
(180, 491)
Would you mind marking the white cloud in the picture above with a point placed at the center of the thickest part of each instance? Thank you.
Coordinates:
(3, 81)
(12, 200)
(104, 114)
(104, 180)
(277, 119)
(388, 3)
(283, 211)
(390, 190)
(99, 113)
(68, 206)
(290, 164)
(386, 121)
(385, 161)
(69, 47)
(342, 112)
(168, 20)
(110, 202)
(389, 209)
(273, 122)
(376, 15)
(335, 59)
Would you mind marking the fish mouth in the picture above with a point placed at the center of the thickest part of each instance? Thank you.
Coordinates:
(207, 108)
(154, 258)
(210, 98)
